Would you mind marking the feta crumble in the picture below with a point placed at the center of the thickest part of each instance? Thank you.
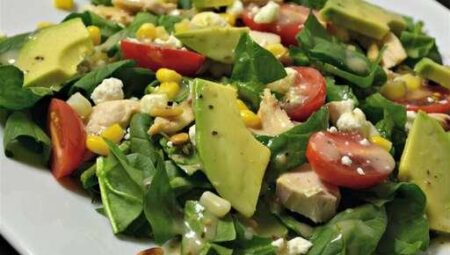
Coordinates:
(109, 90)
(268, 13)
(346, 161)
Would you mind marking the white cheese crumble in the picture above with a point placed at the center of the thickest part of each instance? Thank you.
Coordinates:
(268, 13)
(332, 129)
(346, 161)
(236, 9)
(279, 243)
(148, 102)
(298, 246)
(360, 171)
(351, 121)
(364, 142)
(109, 90)
(410, 117)
(208, 19)
(172, 41)
(192, 134)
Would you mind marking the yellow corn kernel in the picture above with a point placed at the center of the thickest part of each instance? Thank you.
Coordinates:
(373, 51)
(146, 31)
(381, 141)
(250, 119)
(412, 82)
(179, 139)
(182, 26)
(161, 33)
(95, 34)
(166, 112)
(277, 49)
(97, 145)
(64, 4)
(114, 133)
(44, 24)
(394, 89)
(168, 75)
(229, 18)
(171, 89)
(241, 105)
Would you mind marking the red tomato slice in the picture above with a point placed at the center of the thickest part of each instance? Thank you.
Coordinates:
(154, 56)
(290, 21)
(428, 98)
(68, 138)
(348, 160)
(307, 95)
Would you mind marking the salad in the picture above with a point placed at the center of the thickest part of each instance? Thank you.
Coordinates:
(239, 127)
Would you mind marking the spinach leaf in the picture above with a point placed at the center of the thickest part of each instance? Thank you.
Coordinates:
(141, 142)
(135, 80)
(122, 197)
(9, 47)
(288, 149)
(107, 27)
(185, 4)
(24, 140)
(102, 2)
(160, 205)
(336, 58)
(182, 183)
(315, 4)
(249, 244)
(254, 67)
(168, 22)
(202, 227)
(184, 156)
(353, 231)
(88, 82)
(339, 92)
(418, 44)
(12, 95)
(390, 119)
(407, 231)
(89, 180)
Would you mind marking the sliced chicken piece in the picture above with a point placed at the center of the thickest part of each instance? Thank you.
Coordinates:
(172, 125)
(394, 52)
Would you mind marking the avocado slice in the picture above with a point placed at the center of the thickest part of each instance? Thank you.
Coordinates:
(233, 160)
(51, 56)
(217, 43)
(201, 4)
(431, 70)
(426, 162)
(363, 17)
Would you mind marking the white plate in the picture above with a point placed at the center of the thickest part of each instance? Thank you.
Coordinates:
(41, 217)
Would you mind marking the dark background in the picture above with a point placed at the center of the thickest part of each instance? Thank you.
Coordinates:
(6, 249)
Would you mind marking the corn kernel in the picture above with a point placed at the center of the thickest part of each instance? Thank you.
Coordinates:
(381, 141)
(64, 4)
(95, 34)
(166, 112)
(146, 31)
(171, 89)
(114, 133)
(394, 89)
(277, 49)
(161, 33)
(215, 204)
(373, 51)
(229, 18)
(250, 119)
(97, 145)
(412, 82)
(44, 24)
(168, 75)
(179, 139)
(182, 26)
(241, 105)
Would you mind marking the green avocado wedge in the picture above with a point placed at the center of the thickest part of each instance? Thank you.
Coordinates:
(51, 56)
(429, 69)
(233, 160)
(426, 162)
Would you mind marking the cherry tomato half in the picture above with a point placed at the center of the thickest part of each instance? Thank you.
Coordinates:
(307, 95)
(154, 56)
(348, 160)
(68, 138)
(428, 98)
(290, 21)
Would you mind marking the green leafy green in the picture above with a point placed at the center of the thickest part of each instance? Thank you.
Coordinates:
(141, 142)
(315, 4)
(185, 4)
(254, 67)
(24, 140)
(12, 95)
(9, 47)
(183, 183)
(336, 58)
(184, 156)
(407, 232)
(107, 27)
(168, 22)
(88, 82)
(339, 92)
(202, 228)
(135, 80)
(353, 231)
(102, 2)
(122, 197)
(288, 149)
(250, 244)
(160, 205)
